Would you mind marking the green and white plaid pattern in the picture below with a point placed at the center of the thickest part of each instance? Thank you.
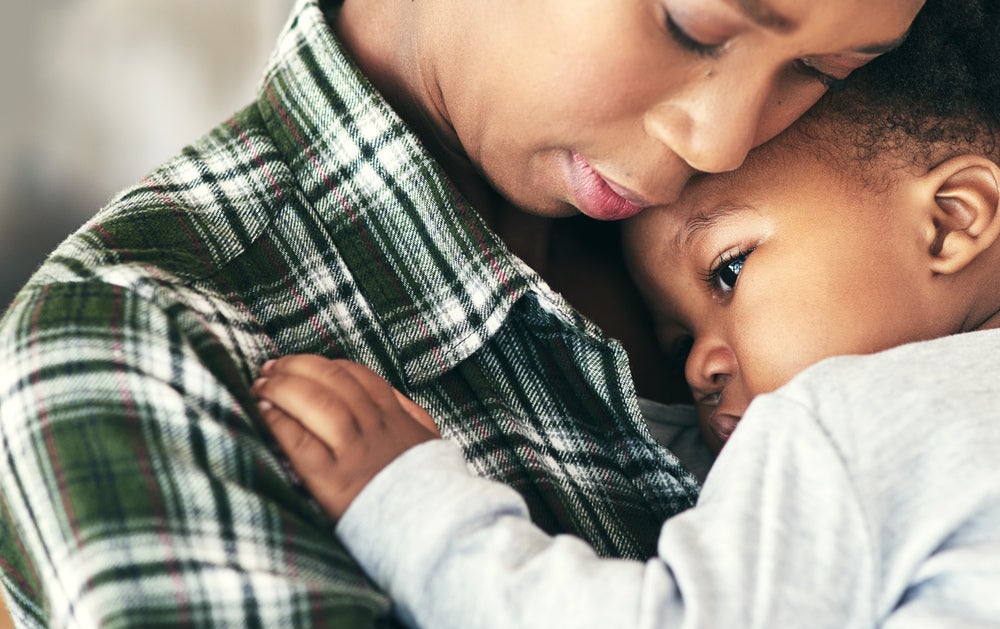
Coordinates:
(138, 485)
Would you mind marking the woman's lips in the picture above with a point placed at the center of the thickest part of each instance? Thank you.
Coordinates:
(599, 198)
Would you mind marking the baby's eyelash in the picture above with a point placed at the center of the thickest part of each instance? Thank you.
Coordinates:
(713, 276)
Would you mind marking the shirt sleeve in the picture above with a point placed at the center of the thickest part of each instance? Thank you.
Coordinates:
(137, 485)
(776, 540)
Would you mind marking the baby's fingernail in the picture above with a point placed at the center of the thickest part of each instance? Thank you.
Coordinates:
(267, 366)
(258, 383)
(264, 405)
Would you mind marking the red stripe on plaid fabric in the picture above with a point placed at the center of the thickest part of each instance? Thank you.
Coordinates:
(97, 227)
(308, 151)
(142, 457)
(464, 211)
(154, 187)
(8, 570)
(365, 236)
(299, 299)
(197, 243)
(255, 154)
(257, 158)
(43, 415)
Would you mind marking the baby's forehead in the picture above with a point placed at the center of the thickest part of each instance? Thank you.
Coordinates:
(786, 162)
(770, 173)
(710, 198)
(762, 164)
(707, 216)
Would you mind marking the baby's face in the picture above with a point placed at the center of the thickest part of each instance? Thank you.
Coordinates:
(757, 274)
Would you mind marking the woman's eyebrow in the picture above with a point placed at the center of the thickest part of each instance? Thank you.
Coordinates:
(703, 221)
(760, 13)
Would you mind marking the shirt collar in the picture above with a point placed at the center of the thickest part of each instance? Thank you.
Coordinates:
(439, 280)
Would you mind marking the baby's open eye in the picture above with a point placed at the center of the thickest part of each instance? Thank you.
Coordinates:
(730, 272)
(722, 279)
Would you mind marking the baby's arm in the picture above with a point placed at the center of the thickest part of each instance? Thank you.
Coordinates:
(339, 423)
(768, 545)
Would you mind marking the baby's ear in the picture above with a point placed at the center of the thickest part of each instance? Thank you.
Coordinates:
(963, 219)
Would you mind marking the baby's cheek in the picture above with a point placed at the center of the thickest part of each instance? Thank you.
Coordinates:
(769, 359)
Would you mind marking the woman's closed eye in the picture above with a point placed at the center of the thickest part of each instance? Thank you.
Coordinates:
(689, 43)
(724, 274)
(693, 29)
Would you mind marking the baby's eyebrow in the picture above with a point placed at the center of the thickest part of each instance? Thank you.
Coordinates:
(705, 220)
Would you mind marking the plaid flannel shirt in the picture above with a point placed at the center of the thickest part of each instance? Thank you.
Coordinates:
(138, 485)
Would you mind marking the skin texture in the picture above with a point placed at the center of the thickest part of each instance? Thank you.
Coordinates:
(569, 105)
(829, 267)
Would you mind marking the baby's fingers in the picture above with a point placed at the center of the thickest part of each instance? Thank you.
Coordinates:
(358, 385)
(306, 365)
(332, 414)
(312, 460)
(301, 445)
(417, 412)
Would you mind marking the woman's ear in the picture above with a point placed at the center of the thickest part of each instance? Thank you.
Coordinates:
(964, 217)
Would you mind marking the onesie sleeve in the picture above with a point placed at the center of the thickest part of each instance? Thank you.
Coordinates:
(776, 540)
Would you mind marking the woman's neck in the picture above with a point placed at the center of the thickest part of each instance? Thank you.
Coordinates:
(389, 42)
(385, 40)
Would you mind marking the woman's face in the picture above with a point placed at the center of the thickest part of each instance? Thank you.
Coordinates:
(608, 106)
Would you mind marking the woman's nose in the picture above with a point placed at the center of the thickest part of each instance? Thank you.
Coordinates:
(709, 367)
(708, 126)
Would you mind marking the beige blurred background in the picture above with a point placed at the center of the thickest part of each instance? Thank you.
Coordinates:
(98, 92)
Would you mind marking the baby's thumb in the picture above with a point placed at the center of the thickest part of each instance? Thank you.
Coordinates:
(417, 412)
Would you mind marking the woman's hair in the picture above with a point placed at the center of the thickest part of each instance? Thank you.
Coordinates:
(937, 95)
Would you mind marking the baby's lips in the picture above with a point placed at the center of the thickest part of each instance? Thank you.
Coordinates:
(723, 425)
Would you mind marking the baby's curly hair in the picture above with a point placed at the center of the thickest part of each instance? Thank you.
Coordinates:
(936, 96)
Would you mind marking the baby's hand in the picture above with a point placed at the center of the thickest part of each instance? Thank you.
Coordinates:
(339, 423)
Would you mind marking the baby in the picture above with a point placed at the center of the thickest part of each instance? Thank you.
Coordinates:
(819, 250)
(858, 491)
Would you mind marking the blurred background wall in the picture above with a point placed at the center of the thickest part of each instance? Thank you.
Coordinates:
(98, 92)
